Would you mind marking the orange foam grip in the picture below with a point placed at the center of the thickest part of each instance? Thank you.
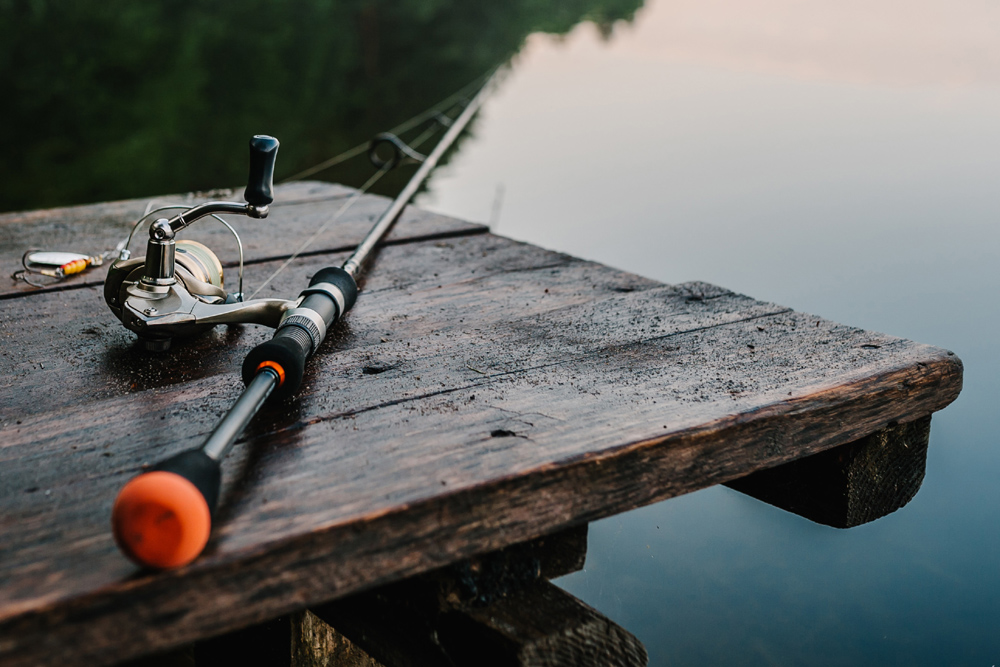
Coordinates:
(161, 520)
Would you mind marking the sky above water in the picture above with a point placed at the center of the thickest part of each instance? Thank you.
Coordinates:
(839, 158)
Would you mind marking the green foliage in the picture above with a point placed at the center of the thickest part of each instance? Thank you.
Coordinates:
(116, 98)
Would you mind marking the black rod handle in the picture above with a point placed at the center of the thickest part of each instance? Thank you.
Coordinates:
(331, 293)
(260, 184)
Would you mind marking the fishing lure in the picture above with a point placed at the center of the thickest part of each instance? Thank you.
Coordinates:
(56, 265)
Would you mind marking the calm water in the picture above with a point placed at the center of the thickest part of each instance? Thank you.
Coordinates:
(838, 158)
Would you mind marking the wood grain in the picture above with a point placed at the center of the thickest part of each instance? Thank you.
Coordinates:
(482, 392)
(75, 334)
(316, 644)
(541, 626)
(534, 625)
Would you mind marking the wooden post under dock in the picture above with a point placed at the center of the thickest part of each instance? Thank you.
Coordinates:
(484, 401)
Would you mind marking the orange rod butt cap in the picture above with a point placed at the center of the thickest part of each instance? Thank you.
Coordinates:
(161, 520)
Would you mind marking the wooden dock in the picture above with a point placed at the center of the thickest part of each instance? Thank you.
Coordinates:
(484, 395)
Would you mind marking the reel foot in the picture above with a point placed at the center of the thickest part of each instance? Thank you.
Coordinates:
(156, 344)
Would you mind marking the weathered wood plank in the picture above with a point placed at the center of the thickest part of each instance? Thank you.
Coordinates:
(298, 210)
(425, 530)
(542, 626)
(851, 484)
(78, 333)
(515, 393)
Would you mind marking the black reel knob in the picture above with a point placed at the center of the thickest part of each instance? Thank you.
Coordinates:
(260, 184)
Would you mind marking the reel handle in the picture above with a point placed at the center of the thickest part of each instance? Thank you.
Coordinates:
(260, 183)
(162, 519)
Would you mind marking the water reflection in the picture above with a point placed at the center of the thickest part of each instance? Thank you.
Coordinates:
(890, 43)
(839, 158)
(113, 99)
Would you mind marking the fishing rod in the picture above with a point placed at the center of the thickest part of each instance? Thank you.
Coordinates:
(163, 518)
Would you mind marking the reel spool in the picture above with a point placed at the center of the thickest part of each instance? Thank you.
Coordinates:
(197, 263)
(200, 262)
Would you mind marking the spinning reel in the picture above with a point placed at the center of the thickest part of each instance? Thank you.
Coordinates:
(177, 288)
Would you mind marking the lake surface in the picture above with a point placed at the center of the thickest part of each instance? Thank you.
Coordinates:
(838, 158)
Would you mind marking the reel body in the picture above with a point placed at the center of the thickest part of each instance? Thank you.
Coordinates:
(194, 303)
(178, 288)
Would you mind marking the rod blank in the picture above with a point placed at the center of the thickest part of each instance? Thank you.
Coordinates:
(355, 263)
(246, 406)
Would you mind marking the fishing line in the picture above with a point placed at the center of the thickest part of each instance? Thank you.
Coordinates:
(424, 136)
(399, 129)
(336, 216)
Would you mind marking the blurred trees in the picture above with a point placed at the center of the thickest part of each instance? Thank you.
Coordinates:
(105, 99)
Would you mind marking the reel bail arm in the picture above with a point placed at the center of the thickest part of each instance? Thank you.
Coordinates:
(259, 194)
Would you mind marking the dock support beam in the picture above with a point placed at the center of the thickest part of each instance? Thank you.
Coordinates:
(851, 484)
(493, 610)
